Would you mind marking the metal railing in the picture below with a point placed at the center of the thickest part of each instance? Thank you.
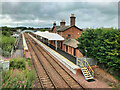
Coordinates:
(83, 63)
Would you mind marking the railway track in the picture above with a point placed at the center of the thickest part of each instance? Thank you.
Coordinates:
(52, 66)
(44, 77)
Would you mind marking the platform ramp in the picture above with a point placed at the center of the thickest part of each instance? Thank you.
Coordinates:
(85, 68)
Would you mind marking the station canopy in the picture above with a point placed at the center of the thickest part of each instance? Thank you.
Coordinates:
(49, 36)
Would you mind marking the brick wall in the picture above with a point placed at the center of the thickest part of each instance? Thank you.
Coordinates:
(78, 53)
(71, 51)
(74, 32)
(54, 30)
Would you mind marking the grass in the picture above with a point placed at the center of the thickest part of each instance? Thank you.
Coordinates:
(109, 83)
(29, 63)
(18, 76)
(116, 77)
(116, 88)
(115, 74)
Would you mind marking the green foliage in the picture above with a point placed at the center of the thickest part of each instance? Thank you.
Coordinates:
(7, 44)
(7, 30)
(29, 63)
(18, 79)
(6, 41)
(6, 33)
(103, 45)
(18, 76)
(6, 75)
(18, 63)
(44, 29)
(30, 75)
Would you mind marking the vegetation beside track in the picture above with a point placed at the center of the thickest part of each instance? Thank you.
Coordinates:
(19, 76)
(104, 46)
(7, 42)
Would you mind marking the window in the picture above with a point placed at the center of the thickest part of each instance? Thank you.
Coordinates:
(74, 52)
(69, 35)
(66, 48)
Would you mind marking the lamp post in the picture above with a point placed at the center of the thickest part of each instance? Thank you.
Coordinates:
(86, 56)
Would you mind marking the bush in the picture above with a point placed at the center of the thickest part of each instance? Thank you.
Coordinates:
(18, 63)
(7, 44)
(103, 45)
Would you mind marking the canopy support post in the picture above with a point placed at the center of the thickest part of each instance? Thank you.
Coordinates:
(56, 44)
(48, 42)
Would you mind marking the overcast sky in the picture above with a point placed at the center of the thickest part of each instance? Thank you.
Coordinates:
(43, 14)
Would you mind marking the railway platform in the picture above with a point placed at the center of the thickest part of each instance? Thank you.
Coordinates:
(79, 78)
(63, 53)
(50, 72)
(71, 66)
(19, 49)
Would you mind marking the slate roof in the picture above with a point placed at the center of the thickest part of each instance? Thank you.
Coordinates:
(63, 28)
(71, 42)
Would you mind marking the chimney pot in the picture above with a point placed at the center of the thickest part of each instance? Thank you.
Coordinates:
(72, 15)
(54, 24)
(72, 20)
(62, 23)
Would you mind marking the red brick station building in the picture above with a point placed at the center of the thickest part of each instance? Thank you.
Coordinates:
(70, 34)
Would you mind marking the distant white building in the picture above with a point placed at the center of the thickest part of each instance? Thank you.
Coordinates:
(15, 35)
(19, 30)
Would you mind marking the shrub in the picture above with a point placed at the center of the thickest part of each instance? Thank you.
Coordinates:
(18, 63)
(7, 44)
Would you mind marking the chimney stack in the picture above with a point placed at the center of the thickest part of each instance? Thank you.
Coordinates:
(72, 20)
(62, 23)
(54, 24)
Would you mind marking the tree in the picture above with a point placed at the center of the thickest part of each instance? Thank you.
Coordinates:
(103, 45)
(6, 33)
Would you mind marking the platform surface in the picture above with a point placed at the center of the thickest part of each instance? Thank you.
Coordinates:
(71, 66)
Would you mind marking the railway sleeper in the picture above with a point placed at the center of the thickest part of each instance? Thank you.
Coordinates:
(68, 79)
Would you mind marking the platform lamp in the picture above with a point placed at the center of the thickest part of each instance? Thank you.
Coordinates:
(86, 56)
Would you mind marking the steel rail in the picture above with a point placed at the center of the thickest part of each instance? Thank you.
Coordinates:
(29, 47)
(43, 66)
(55, 62)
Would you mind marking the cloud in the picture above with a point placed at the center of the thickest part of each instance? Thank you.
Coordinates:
(43, 14)
(59, 0)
